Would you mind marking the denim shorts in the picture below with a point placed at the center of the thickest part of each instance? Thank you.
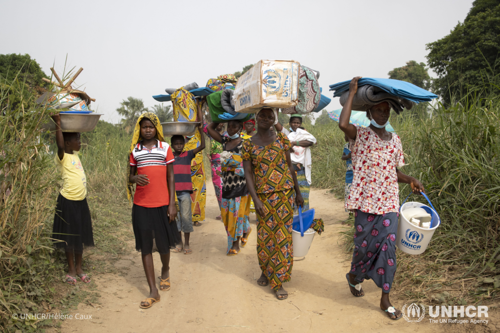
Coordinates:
(185, 217)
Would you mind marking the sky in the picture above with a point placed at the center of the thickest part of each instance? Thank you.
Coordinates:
(139, 48)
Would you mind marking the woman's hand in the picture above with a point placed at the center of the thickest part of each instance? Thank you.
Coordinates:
(141, 180)
(299, 201)
(416, 186)
(172, 211)
(259, 208)
(353, 86)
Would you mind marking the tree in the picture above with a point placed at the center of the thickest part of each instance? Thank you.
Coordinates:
(244, 70)
(163, 112)
(323, 119)
(465, 58)
(131, 109)
(412, 72)
(24, 69)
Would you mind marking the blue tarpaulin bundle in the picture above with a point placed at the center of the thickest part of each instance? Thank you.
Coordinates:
(397, 88)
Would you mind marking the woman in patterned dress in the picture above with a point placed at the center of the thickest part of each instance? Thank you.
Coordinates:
(266, 156)
(235, 198)
(377, 156)
(214, 156)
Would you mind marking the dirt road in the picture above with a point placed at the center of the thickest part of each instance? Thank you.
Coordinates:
(215, 293)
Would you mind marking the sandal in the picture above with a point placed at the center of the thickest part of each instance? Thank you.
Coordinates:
(245, 240)
(70, 280)
(164, 283)
(263, 281)
(281, 294)
(357, 287)
(218, 217)
(391, 313)
(84, 277)
(150, 301)
(188, 251)
(232, 252)
(197, 224)
(177, 249)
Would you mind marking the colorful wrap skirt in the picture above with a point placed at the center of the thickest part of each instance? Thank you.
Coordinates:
(235, 213)
(374, 254)
(216, 179)
(274, 237)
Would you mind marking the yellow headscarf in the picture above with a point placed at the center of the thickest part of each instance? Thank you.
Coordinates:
(137, 137)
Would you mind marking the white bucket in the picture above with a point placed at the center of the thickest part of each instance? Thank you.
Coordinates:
(412, 239)
(301, 244)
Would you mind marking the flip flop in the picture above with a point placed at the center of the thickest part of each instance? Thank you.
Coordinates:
(357, 287)
(197, 224)
(177, 249)
(245, 240)
(232, 252)
(391, 311)
(164, 283)
(70, 280)
(262, 283)
(188, 251)
(150, 301)
(83, 277)
(281, 292)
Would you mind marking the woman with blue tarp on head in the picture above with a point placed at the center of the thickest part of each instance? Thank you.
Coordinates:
(377, 156)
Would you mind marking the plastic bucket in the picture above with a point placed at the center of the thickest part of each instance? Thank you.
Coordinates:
(301, 244)
(302, 235)
(412, 239)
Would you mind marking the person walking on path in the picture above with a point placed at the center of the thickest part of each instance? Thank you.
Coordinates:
(235, 209)
(151, 168)
(214, 156)
(184, 188)
(266, 156)
(301, 142)
(377, 156)
(72, 228)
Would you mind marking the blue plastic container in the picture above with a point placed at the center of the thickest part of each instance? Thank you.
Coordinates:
(307, 220)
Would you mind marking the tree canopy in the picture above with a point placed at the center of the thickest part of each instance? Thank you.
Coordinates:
(131, 109)
(412, 72)
(467, 58)
(243, 71)
(163, 112)
(25, 69)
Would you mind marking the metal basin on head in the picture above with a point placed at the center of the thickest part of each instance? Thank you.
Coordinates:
(74, 122)
(179, 128)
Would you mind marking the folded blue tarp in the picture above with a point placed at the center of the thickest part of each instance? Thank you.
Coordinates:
(397, 88)
(323, 102)
(197, 92)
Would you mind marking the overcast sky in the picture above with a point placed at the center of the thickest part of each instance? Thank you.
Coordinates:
(139, 48)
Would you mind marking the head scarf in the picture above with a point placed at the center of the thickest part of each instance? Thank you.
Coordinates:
(136, 138)
(275, 110)
(250, 121)
(227, 78)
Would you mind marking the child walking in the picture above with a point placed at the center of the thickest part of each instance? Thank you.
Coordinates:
(151, 168)
(72, 224)
(184, 188)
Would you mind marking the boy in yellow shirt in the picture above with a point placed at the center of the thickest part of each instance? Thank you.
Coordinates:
(72, 224)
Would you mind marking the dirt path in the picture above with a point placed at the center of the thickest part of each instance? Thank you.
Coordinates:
(215, 293)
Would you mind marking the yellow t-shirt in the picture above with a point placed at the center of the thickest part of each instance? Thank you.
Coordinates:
(73, 175)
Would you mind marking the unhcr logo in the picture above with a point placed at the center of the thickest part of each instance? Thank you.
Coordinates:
(413, 313)
(414, 236)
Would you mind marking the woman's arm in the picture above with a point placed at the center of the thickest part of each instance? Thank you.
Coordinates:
(416, 185)
(259, 206)
(298, 196)
(303, 143)
(141, 180)
(172, 210)
(345, 115)
(278, 127)
(346, 157)
(213, 133)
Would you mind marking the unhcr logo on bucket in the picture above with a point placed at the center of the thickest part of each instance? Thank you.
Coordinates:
(412, 238)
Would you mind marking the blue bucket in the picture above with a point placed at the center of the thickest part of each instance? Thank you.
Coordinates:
(307, 220)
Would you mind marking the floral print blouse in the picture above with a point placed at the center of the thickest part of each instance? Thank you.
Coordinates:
(269, 164)
(375, 187)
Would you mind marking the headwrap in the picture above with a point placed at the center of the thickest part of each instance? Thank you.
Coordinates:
(250, 121)
(275, 110)
(227, 78)
(136, 138)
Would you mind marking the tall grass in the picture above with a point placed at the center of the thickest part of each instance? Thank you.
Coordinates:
(456, 155)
